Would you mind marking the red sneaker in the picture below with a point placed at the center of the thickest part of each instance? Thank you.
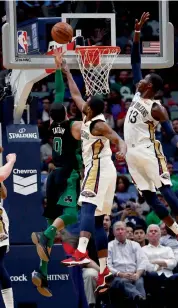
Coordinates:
(78, 258)
(104, 280)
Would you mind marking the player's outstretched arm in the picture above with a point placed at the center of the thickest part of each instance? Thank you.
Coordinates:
(59, 82)
(6, 170)
(160, 114)
(75, 93)
(135, 54)
(103, 129)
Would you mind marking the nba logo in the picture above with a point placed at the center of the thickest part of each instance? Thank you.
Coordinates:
(22, 42)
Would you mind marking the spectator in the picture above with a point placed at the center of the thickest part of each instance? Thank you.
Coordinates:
(107, 227)
(123, 84)
(114, 100)
(163, 229)
(131, 214)
(174, 178)
(122, 115)
(124, 189)
(130, 231)
(46, 151)
(89, 277)
(73, 112)
(43, 117)
(127, 262)
(175, 125)
(139, 235)
(108, 115)
(160, 270)
(46, 107)
(169, 240)
(167, 98)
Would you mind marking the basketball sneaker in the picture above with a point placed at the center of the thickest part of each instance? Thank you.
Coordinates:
(42, 247)
(78, 258)
(41, 282)
(104, 280)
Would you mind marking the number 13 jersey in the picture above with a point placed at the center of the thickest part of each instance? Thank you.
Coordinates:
(139, 125)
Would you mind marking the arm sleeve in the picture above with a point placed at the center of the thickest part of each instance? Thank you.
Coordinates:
(136, 62)
(59, 87)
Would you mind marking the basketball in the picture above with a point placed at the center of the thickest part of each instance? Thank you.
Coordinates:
(62, 33)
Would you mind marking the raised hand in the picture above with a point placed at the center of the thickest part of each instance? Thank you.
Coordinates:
(143, 20)
(65, 68)
(11, 157)
(58, 56)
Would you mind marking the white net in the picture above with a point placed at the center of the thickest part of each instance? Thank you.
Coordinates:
(95, 63)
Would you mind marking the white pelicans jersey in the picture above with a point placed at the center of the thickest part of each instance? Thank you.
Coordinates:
(145, 158)
(99, 182)
(139, 125)
(94, 147)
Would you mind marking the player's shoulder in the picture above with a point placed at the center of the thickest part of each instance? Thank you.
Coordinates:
(136, 96)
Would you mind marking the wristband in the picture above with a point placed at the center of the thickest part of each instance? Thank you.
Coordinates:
(136, 31)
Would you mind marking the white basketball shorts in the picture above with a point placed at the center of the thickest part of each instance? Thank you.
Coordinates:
(147, 166)
(99, 185)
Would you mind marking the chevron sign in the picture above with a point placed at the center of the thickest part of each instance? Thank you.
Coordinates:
(25, 185)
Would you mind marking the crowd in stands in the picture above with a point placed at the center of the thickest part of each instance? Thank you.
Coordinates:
(143, 252)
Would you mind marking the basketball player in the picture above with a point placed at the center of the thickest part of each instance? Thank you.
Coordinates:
(99, 182)
(145, 158)
(63, 183)
(6, 287)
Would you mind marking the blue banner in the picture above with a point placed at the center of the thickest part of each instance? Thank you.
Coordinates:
(65, 284)
(24, 202)
(22, 133)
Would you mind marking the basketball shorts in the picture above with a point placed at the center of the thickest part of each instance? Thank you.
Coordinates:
(147, 166)
(62, 189)
(99, 185)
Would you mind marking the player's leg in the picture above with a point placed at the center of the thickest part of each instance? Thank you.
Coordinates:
(66, 201)
(89, 205)
(87, 227)
(56, 185)
(105, 277)
(171, 198)
(87, 222)
(157, 174)
(39, 277)
(6, 287)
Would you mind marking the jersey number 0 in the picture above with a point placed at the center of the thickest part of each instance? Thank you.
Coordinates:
(57, 145)
(133, 116)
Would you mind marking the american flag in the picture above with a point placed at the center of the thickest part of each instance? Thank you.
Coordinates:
(151, 47)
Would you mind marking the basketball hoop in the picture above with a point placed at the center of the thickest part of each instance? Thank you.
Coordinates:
(95, 63)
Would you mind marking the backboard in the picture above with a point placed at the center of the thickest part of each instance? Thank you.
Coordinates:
(27, 31)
